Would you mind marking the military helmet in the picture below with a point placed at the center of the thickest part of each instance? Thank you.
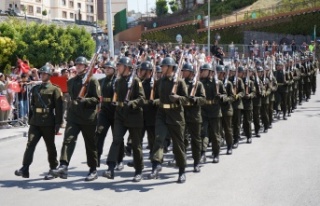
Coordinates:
(45, 69)
(146, 65)
(81, 60)
(259, 69)
(187, 67)
(279, 63)
(240, 69)
(158, 69)
(220, 68)
(126, 61)
(168, 61)
(109, 64)
(206, 66)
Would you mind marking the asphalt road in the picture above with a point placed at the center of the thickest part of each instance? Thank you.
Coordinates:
(280, 168)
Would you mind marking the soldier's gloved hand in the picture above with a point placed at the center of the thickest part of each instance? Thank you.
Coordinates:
(156, 102)
(130, 104)
(247, 96)
(174, 98)
(81, 99)
(217, 97)
(193, 100)
(57, 128)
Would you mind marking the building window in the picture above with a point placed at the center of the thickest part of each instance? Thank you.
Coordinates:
(39, 10)
(90, 9)
(90, 18)
(38, 1)
(63, 2)
(79, 5)
(71, 5)
(22, 7)
(64, 14)
(71, 15)
(30, 9)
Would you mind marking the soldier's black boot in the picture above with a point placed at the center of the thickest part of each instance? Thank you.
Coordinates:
(110, 172)
(137, 176)
(156, 168)
(93, 175)
(229, 150)
(284, 116)
(196, 168)
(120, 166)
(61, 171)
(215, 158)
(130, 164)
(182, 176)
(23, 171)
(50, 175)
(249, 140)
(235, 142)
(203, 158)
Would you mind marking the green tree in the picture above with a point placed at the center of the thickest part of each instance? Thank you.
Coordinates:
(40, 43)
(161, 7)
(7, 48)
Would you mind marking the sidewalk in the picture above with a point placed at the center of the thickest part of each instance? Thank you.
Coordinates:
(13, 132)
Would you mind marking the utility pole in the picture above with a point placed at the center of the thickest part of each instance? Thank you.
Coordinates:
(110, 31)
(208, 27)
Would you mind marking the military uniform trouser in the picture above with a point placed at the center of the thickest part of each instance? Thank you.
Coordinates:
(236, 124)
(307, 89)
(115, 150)
(265, 115)
(211, 128)
(247, 120)
(314, 82)
(256, 118)
(70, 139)
(65, 102)
(281, 99)
(194, 130)
(176, 133)
(104, 123)
(289, 103)
(294, 98)
(48, 134)
(300, 91)
(227, 128)
(150, 135)
(270, 112)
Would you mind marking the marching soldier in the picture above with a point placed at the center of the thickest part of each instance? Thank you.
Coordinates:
(45, 119)
(81, 117)
(149, 110)
(313, 76)
(192, 112)
(265, 100)
(260, 92)
(282, 91)
(106, 113)
(290, 86)
(250, 92)
(211, 112)
(128, 116)
(273, 86)
(170, 118)
(306, 79)
(237, 105)
(226, 107)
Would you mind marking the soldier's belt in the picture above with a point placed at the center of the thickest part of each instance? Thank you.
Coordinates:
(189, 104)
(106, 100)
(169, 106)
(210, 102)
(43, 110)
(281, 84)
(119, 104)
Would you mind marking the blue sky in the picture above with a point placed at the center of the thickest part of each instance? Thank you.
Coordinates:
(141, 5)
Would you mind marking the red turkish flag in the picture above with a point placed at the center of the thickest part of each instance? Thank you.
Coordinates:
(24, 67)
(208, 59)
(4, 105)
(14, 86)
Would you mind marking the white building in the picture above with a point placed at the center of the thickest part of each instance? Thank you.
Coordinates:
(66, 10)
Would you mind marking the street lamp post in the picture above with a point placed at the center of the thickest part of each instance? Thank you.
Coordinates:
(208, 27)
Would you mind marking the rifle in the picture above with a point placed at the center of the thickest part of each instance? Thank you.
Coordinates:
(226, 78)
(247, 78)
(175, 78)
(88, 75)
(195, 82)
(153, 80)
(130, 83)
(214, 66)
